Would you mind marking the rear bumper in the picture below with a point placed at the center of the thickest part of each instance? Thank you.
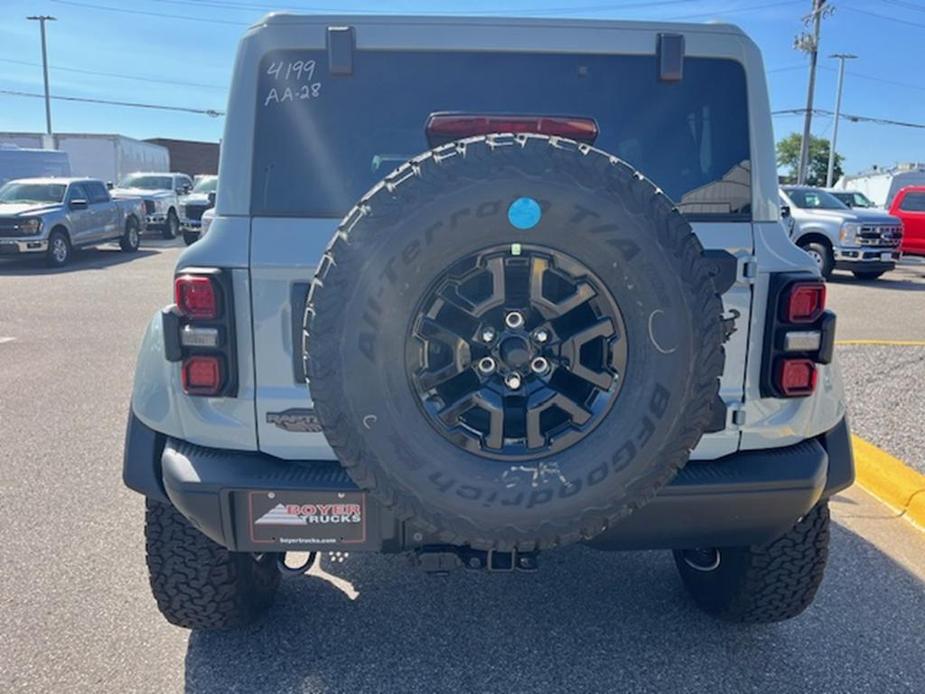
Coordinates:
(742, 499)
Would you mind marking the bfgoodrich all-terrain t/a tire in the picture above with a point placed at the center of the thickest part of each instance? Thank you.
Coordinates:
(513, 341)
(764, 583)
(199, 584)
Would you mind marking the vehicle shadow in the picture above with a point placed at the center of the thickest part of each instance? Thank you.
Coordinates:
(587, 621)
(907, 281)
(97, 258)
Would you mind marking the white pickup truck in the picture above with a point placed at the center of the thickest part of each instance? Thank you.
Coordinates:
(55, 215)
(161, 193)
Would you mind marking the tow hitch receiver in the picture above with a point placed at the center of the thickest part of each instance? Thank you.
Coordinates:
(441, 559)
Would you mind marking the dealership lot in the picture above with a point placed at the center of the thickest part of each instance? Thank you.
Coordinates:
(75, 592)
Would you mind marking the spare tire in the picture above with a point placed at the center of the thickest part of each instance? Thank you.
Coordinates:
(513, 341)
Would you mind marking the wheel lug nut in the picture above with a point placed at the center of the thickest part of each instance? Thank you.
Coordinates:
(514, 320)
(539, 365)
(488, 334)
(541, 336)
(512, 381)
(486, 365)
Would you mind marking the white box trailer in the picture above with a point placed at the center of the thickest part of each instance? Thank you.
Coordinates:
(107, 157)
(882, 185)
(21, 162)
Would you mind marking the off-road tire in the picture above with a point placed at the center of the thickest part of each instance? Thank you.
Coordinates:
(824, 251)
(131, 238)
(199, 584)
(866, 275)
(53, 259)
(171, 225)
(378, 431)
(765, 583)
(190, 237)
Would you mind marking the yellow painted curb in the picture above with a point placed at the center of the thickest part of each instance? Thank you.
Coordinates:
(890, 480)
(886, 343)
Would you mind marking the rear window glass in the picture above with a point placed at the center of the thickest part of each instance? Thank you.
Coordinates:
(322, 140)
(913, 202)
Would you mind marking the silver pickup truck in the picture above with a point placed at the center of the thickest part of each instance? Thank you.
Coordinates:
(161, 193)
(55, 215)
(839, 237)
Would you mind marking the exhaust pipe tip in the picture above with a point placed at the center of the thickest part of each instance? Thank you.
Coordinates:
(288, 570)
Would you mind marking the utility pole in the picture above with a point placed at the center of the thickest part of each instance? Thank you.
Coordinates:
(842, 57)
(809, 43)
(42, 19)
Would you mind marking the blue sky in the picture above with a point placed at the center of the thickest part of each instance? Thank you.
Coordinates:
(185, 59)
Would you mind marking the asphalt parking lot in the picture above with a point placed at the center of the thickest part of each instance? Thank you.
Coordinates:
(77, 613)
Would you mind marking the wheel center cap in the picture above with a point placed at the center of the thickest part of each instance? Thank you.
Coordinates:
(515, 351)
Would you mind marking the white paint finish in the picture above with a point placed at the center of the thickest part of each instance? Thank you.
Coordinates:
(284, 253)
(159, 402)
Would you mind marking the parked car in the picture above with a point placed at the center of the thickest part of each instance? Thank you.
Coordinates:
(207, 218)
(55, 215)
(909, 206)
(161, 193)
(17, 162)
(882, 184)
(514, 340)
(837, 237)
(192, 207)
(852, 198)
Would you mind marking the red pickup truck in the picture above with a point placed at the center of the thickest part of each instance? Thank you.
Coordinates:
(909, 206)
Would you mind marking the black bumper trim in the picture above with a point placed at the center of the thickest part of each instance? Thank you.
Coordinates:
(865, 265)
(745, 498)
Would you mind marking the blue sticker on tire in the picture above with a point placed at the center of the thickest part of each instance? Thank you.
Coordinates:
(524, 213)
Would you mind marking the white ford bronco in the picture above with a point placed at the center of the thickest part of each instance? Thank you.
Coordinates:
(535, 277)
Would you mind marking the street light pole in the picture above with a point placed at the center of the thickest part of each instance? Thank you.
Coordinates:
(842, 57)
(42, 19)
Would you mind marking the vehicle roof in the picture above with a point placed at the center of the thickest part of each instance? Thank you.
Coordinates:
(290, 18)
(911, 189)
(157, 173)
(53, 179)
(793, 186)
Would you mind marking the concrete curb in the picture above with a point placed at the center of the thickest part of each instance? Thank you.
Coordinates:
(890, 480)
(881, 343)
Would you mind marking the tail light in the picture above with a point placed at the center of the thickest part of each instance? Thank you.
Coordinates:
(446, 127)
(202, 375)
(800, 334)
(796, 377)
(199, 332)
(195, 296)
(805, 302)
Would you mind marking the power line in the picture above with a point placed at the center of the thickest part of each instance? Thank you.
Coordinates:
(555, 10)
(905, 5)
(212, 113)
(92, 6)
(736, 10)
(608, 7)
(848, 116)
(116, 74)
(884, 16)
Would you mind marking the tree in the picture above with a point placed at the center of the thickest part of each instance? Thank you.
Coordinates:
(788, 155)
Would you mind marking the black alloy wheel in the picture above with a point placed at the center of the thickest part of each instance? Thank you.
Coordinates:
(518, 352)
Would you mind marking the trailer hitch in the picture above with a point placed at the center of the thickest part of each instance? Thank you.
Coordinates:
(441, 559)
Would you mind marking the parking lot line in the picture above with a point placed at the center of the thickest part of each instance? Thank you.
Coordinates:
(890, 480)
